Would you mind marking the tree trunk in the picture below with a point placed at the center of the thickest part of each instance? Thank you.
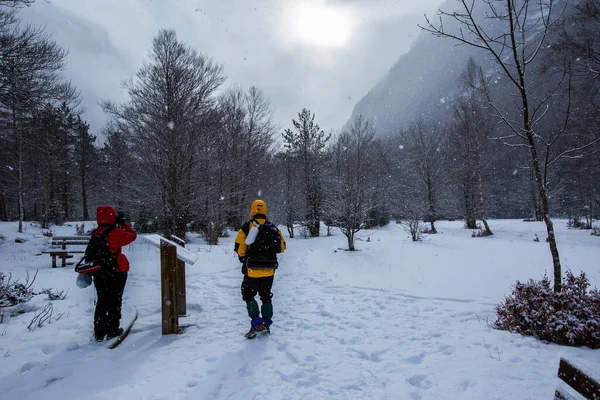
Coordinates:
(350, 237)
(66, 206)
(470, 220)
(3, 212)
(547, 220)
(537, 212)
(19, 134)
(540, 185)
(488, 231)
(20, 173)
(84, 204)
(431, 200)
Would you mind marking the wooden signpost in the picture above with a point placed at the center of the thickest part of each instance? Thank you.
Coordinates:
(173, 257)
(578, 380)
(181, 299)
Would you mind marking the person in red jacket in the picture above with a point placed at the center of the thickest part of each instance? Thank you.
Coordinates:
(110, 282)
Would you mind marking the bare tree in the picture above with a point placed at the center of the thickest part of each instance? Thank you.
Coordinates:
(353, 179)
(412, 222)
(471, 128)
(580, 44)
(424, 147)
(166, 118)
(245, 144)
(526, 26)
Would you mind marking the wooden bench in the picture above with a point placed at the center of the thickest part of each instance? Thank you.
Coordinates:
(578, 380)
(63, 253)
(64, 241)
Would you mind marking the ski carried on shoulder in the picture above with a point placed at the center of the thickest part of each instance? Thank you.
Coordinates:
(125, 333)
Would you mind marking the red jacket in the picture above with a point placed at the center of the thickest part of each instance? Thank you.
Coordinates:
(118, 237)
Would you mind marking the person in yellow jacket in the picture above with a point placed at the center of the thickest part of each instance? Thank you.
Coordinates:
(257, 244)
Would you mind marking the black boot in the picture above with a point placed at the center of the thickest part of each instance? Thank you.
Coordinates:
(114, 334)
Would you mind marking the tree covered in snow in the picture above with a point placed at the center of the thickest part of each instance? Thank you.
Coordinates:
(167, 119)
(352, 180)
(306, 142)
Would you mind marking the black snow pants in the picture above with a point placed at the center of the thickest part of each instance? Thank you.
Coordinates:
(262, 286)
(109, 287)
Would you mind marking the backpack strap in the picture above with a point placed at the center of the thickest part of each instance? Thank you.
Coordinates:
(103, 235)
(107, 231)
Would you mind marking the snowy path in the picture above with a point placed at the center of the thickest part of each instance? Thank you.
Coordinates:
(336, 336)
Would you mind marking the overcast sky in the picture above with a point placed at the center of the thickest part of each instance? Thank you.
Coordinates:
(320, 54)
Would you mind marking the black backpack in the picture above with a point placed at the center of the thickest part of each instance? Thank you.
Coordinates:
(263, 251)
(98, 252)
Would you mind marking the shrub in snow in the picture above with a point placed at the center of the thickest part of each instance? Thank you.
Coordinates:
(13, 292)
(80, 229)
(54, 294)
(482, 233)
(571, 317)
(429, 231)
(578, 223)
(415, 228)
(595, 231)
(43, 316)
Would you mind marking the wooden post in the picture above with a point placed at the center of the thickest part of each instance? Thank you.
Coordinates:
(168, 274)
(578, 380)
(181, 297)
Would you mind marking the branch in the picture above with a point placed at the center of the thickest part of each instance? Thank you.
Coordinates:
(566, 154)
(469, 21)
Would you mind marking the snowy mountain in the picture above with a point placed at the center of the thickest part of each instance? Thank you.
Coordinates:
(425, 80)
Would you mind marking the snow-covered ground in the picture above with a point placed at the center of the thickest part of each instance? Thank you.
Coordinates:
(395, 320)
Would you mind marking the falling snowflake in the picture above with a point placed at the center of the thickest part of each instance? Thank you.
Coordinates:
(171, 125)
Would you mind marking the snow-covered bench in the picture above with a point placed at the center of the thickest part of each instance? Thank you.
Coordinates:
(63, 253)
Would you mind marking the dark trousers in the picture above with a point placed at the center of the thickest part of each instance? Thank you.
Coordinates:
(262, 286)
(110, 288)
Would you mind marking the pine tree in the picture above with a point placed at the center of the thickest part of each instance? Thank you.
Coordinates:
(307, 143)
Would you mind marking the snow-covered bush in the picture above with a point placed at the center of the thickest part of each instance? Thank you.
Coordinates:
(14, 292)
(579, 224)
(595, 231)
(571, 317)
(480, 233)
(54, 294)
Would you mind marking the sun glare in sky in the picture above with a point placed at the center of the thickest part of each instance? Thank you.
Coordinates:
(315, 23)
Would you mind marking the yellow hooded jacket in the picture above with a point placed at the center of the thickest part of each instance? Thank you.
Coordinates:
(241, 247)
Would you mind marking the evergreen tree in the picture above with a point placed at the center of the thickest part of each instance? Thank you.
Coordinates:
(307, 143)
